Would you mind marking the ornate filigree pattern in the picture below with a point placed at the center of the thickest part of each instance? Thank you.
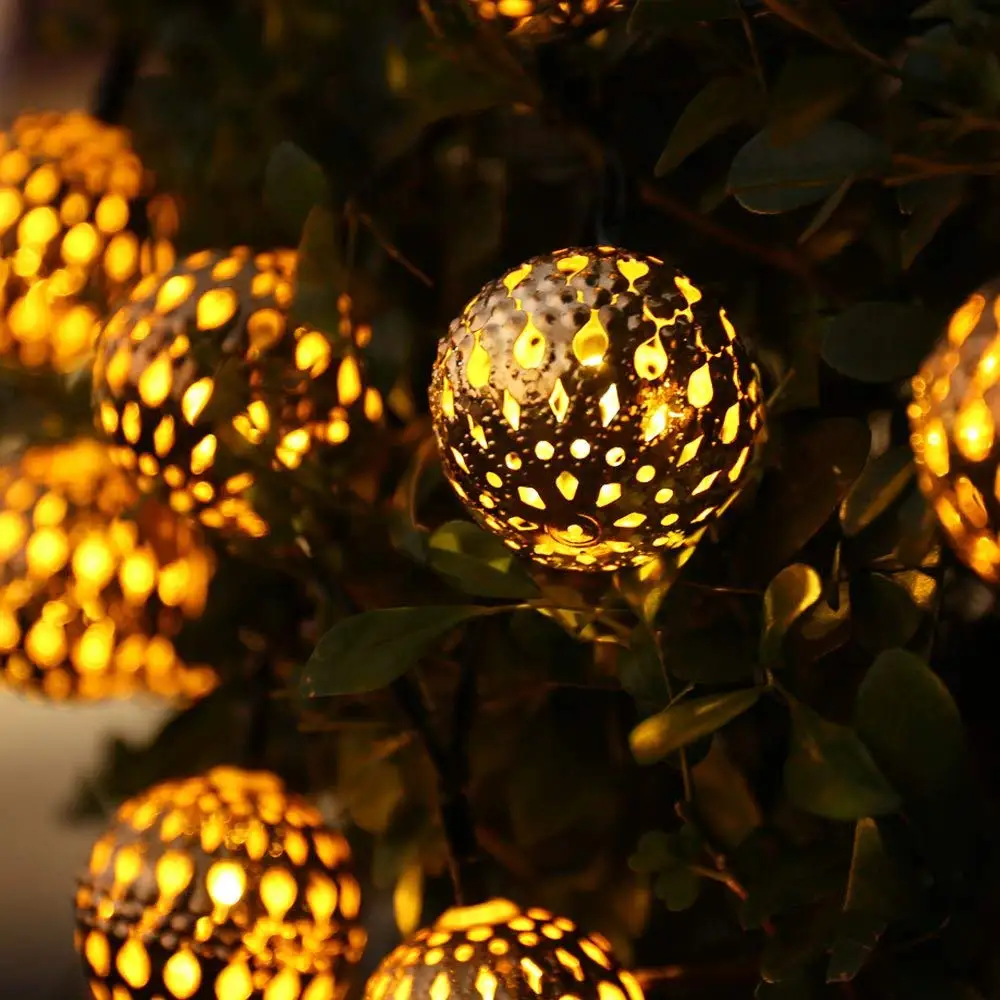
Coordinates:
(954, 419)
(497, 951)
(77, 227)
(93, 588)
(594, 407)
(543, 17)
(222, 887)
(202, 378)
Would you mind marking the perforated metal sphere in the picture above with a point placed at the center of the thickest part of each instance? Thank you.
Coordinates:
(94, 584)
(77, 227)
(221, 887)
(497, 951)
(203, 367)
(955, 423)
(544, 17)
(593, 407)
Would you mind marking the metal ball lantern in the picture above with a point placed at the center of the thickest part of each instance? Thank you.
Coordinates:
(593, 408)
(220, 887)
(78, 226)
(91, 597)
(204, 366)
(955, 432)
(544, 17)
(497, 950)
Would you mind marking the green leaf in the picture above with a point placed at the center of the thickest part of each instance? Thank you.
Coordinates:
(653, 853)
(788, 597)
(880, 484)
(875, 894)
(767, 179)
(928, 203)
(370, 650)
(679, 888)
(640, 672)
(826, 210)
(830, 773)
(676, 727)
(818, 464)
(809, 90)
(817, 17)
(319, 273)
(883, 612)
(720, 104)
(911, 724)
(645, 588)
(649, 15)
(727, 809)
(880, 341)
(477, 562)
(294, 183)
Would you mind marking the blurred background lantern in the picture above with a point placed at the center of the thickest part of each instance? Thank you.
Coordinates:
(953, 417)
(496, 949)
(593, 407)
(224, 886)
(77, 227)
(203, 379)
(543, 17)
(90, 598)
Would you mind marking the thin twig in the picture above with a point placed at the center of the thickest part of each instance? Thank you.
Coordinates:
(752, 43)
(782, 260)
(353, 211)
(708, 976)
(452, 772)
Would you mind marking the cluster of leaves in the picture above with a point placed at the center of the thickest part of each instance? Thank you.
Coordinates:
(754, 751)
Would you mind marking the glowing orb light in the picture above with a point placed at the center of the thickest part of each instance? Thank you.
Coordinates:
(92, 588)
(954, 421)
(497, 950)
(78, 226)
(222, 887)
(204, 367)
(593, 407)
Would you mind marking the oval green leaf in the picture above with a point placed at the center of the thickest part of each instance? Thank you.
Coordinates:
(368, 651)
(720, 104)
(810, 89)
(477, 562)
(879, 341)
(767, 178)
(293, 184)
(880, 484)
(788, 597)
(911, 724)
(676, 727)
(829, 771)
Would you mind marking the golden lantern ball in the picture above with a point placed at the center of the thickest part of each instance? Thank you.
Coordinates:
(593, 407)
(496, 949)
(222, 887)
(92, 588)
(955, 419)
(204, 366)
(78, 224)
(542, 18)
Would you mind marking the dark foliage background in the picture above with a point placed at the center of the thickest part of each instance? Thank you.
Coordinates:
(828, 168)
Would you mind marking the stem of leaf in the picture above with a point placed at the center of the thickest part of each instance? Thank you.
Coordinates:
(451, 765)
(685, 765)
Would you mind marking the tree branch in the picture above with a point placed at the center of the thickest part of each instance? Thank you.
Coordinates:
(451, 765)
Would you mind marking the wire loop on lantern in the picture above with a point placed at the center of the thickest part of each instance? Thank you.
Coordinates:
(78, 226)
(204, 376)
(222, 887)
(593, 407)
(93, 587)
